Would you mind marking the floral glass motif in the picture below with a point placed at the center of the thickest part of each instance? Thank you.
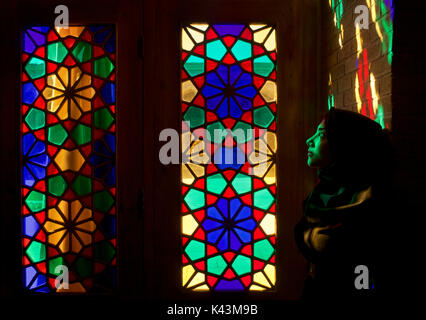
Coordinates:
(228, 82)
(68, 158)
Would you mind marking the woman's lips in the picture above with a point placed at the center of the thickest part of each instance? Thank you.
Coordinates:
(310, 154)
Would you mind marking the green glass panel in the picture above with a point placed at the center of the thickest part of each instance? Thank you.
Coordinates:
(82, 185)
(56, 52)
(216, 265)
(194, 199)
(263, 117)
(241, 50)
(195, 250)
(82, 134)
(57, 185)
(35, 68)
(103, 67)
(36, 251)
(263, 249)
(104, 251)
(217, 132)
(263, 66)
(194, 66)
(103, 201)
(195, 116)
(82, 51)
(242, 265)
(35, 119)
(216, 183)
(263, 199)
(242, 132)
(242, 183)
(54, 263)
(57, 134)
(36, 201)
(103, 118)
(84, 267)
(215, 50)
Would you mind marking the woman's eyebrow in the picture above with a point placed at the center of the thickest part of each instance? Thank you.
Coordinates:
(321, 129)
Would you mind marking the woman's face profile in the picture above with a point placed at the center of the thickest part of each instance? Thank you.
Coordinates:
(318, 151)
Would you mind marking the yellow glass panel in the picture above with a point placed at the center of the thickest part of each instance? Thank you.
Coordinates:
(186, 140)
(187, 177)
(188, 91)
(84, 237)
(84, 104)
(64, 246)
(75, 112)
(50, 93)
(256, 26)
(203, 287)
(53, 105)
(271, 140)
(74, 75)
(54, 238)
(85, 81)
(197, 169)
(84, 215)
(187, 43)
(261, 169)
(72, 288)
(62, 113)
(189, 224)
(269, 91)
(53, 214)
(254, 287)
(53, 81)
(75, 208)
(270, 273)
(86, 93)
(270, 44)
(70, 31)
(87, 226)
(260, 146)
(271, 176)
(269, 224)
(259, 36)
(198, 279)
(64, 207)
(261, 279)
(76, 245)
(63, 75)
(50, 226)
(69, 160)
(197, 35)
(200, 26)
(187, 272)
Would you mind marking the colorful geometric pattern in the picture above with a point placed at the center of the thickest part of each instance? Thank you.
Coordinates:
(68, 158)
(228, 85)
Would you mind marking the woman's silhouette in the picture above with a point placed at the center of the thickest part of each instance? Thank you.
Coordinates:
(339, 229)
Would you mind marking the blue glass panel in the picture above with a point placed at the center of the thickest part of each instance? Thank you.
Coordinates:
(222, 111)
(209, 224)
(234, 73)
(29, 93)
(110, 45)
(213, 236)
(108, 92)
(209, 91)
(43, 289)
(38, 38)
(38, 148)
(228, 158)
(235, 109)
(38, 171)
(39, 281)
(244, 213)
(100, 147)
(213, 79)
(213, 102)
(42, 29)
(42, 160)
(228, 29)
(247, 91)
(223, 207)
(234, 206)
(247, 224)
(96, 28)
(27, 141)
(213, 213)
(223, 73)
(110, 140)
(30, 272)
(223, 242)
(96, 160)
(28, 179)
(110, 179)
(102, 171)
(29, 45)
(244, 235)
(235, 243)
(109, 225)
(243, 102)
(230, 285)
(244, 80)
(101, 36)
(30, 226)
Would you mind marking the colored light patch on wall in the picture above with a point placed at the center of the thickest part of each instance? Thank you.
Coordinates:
(68, 131)
(228, 183)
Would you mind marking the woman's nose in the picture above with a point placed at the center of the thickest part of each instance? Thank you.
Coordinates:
(309, 142)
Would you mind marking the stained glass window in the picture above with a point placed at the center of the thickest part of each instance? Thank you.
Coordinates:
(68, 158)
(229, 143)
